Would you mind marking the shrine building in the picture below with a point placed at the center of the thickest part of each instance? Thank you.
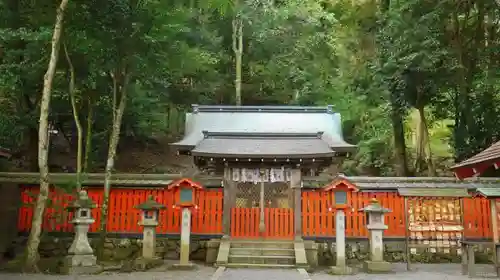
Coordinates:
(262, 153)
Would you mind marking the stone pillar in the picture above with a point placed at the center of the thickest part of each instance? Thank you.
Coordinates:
(376, 228)
(184, 263)
(228, 203)
(185, 236)
(262, 223)
(81, 259)
(340, 238)
(340, 267)
(296, 186)
(149, 241)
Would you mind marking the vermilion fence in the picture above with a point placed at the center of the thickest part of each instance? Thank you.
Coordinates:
(123, 217)
(476, 217)
(318, 215)
(278, 223)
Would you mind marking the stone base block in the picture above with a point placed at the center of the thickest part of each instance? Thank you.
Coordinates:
(183, 266)
(81, 260)
(377, 267)
(341, 270)
(212, 251)
(146, 263)
(311, 248)
(80, 264)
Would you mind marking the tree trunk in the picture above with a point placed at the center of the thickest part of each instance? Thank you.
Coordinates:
(401, 167)
(43, 146)
(419, 145)
(238, 53)
(78, 123)
(32, 151)
(426, 142)
(88, 136)
(120, 82)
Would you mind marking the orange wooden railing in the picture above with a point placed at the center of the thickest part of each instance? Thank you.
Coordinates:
(477, 217)
(278, 222)
(245, 222)
(123, 217)
(319, 221)
(318, 218)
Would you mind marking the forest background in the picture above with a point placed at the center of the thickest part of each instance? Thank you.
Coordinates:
(416, 82)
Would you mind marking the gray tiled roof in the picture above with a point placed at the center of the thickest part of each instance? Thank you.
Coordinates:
(263, 145)
(262, 119)
(386, 183)
(489, 192)
(436, 192)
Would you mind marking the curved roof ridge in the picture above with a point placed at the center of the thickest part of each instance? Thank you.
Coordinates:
(263, 109)
(223, 134)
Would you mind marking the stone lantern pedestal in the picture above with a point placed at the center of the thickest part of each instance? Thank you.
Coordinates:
(186, 201)
(340, 267)
(81, 259)
(150, 213)
(341, 205)
(376, 227)
(184, 263)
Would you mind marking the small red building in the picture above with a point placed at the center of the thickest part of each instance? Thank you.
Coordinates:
(478, 164)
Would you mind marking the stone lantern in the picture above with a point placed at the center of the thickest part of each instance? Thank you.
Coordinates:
(150, 213)
(185, 200)
(340, 190)
(81, 257)
(375, 217)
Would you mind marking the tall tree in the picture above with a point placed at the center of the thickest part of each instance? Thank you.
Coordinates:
(76, 117)
(237, 49)
(31, 258)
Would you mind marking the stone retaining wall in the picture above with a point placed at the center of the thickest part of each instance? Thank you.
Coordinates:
(322, 253)
(121, 249)
(319, 253)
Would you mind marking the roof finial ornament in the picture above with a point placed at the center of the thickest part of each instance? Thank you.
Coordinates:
(329, 109)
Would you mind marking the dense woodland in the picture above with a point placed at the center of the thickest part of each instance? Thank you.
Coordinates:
(416, 81)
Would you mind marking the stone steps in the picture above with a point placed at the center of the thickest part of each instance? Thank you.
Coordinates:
(248, 265)
(255, 259)
(261, 253)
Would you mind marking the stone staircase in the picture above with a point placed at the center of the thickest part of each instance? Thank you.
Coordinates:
(257, 253)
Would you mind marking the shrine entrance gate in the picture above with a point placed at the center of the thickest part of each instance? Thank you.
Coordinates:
(262, 210)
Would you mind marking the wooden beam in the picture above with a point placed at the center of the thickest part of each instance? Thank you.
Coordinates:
(494, 228)
(407, 236)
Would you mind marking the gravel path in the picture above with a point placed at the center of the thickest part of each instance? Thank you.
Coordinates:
(202, 273)
(260, 274)
(421, 272)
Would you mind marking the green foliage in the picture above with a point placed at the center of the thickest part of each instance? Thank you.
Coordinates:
(374, 61)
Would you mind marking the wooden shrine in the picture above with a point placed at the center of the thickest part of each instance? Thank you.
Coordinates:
(262, 152)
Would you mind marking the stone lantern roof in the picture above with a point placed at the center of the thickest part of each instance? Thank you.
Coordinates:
(374, 207)
(150, 204)
(83, 201)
